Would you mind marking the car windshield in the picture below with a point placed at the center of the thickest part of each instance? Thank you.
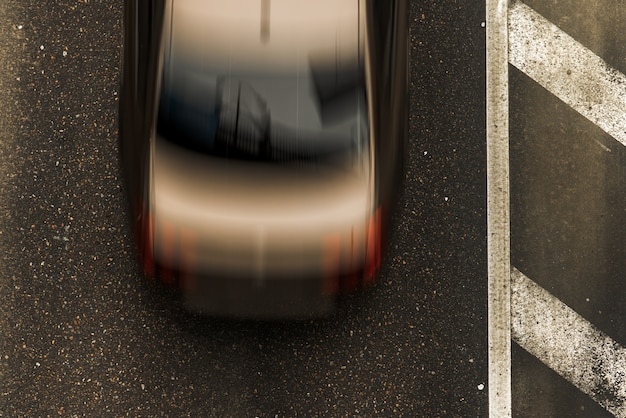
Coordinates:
(281, 83)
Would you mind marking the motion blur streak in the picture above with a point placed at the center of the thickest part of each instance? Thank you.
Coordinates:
(188, 242)
(265, 20)
(374, 249)
(169, 252)
(146, 242)
(332, 248)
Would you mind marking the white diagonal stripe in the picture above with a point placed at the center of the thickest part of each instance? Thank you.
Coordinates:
(568, 70)
(568, 344)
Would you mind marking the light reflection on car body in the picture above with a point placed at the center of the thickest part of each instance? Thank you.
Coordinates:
(262, 143)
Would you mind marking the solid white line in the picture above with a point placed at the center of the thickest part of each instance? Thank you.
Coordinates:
(568, 70)
(498, 235)
(568, 344)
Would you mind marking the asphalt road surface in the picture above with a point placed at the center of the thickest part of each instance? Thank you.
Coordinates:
(83, 334)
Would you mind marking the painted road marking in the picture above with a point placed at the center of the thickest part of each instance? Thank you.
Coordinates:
(568, 70)
(542, 324)
(518, 307)
(498, 229)
(568, 344)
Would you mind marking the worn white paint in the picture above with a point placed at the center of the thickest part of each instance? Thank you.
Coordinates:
(542, 324)
(568, 344)
(498, 229)
(568, 70)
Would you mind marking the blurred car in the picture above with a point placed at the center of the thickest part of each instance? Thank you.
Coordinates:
(262, 143)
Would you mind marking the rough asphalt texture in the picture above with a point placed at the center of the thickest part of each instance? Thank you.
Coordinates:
(84, 335)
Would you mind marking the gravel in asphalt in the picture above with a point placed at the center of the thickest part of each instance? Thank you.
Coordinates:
(85, 335)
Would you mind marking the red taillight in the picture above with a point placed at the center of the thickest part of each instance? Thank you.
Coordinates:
(168, 255)
(350, 280)
(373, 247)
(344, 277)
(177, 257)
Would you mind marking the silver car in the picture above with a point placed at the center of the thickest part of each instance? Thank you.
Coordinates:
(262, 143)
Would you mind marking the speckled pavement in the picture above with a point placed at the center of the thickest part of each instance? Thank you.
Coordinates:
(82, 334)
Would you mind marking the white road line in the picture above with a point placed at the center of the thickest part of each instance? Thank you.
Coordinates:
(568, 344)
(568, 70)
(498, 235)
